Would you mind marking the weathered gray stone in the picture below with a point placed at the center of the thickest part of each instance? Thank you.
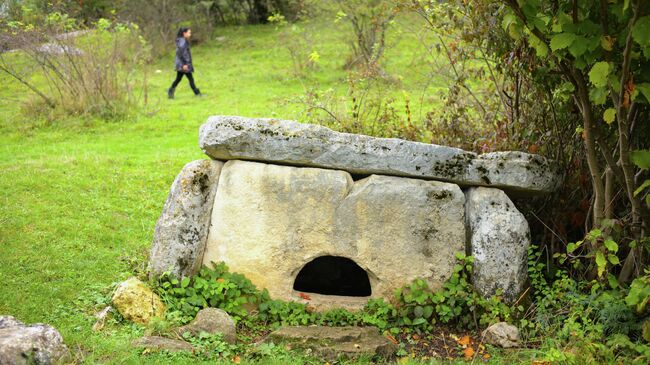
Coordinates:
(181, 231)
(136, 302)
(293, 143)
(502, 334)
(9, 321)
(268, 221)
(331, 343)
(499, 238)
(212, 321)
(30, 344)
(158, 343)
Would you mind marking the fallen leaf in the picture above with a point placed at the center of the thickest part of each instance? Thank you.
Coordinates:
(469, 353)
(541, 362)
(391, 338)
(304, 296)
(486, 356)
(416, 337)
(236, 359)
(464, 341)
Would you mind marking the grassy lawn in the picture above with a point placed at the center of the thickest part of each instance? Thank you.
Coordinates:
(79, 197)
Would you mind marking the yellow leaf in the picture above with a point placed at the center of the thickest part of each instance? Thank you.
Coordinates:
(607, 43)
(610, 115)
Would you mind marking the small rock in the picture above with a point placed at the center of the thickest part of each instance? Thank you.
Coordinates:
(162, 343)
(502, 334)
(136, 302)
(212, 321)
(30, 344)
(333, 342)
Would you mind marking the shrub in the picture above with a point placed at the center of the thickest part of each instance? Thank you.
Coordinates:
(73, 69)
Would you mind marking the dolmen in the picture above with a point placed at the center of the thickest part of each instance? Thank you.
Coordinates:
(333, 218)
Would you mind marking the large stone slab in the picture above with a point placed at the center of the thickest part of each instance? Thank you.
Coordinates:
(499, 238)
(331, 343)
(268, 221)
(293, 143)
(30, 344)
(182, 229)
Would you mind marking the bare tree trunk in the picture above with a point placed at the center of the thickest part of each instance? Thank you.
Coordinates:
(609, 193)
(582, 99)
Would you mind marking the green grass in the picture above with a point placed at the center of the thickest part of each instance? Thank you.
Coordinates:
(79, 197)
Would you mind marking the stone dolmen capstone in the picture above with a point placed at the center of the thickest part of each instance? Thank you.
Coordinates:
(334, 218)
(298, 144)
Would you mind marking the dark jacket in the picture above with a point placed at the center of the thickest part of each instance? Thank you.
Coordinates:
(183, 55)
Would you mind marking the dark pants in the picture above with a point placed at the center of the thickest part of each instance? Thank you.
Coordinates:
(179, 76)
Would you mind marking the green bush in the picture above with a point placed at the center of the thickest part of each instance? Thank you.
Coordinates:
(415, 307)
(215, 287)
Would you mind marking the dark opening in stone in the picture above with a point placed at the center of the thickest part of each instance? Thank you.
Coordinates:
(333, 275)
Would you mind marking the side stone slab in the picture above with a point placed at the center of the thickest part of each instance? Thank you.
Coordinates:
(182, 230)
(499, 237)
(293, 143)
(268, 221)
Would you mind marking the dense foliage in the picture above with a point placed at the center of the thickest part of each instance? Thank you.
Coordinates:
(604, 324)
(415, 307)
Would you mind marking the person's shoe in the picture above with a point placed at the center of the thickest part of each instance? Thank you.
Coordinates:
(170, 93)
(197, 93)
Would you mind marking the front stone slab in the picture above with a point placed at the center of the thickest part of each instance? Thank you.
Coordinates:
(269, 221)
(499, 238)
(293, 143)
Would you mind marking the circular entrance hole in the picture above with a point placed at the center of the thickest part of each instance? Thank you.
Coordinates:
(333, 275)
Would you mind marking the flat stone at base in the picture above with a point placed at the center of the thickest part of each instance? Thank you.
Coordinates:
(162, 343)
(334, 342)
(298, 144)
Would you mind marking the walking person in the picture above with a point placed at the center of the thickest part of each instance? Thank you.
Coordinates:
(183, 62)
